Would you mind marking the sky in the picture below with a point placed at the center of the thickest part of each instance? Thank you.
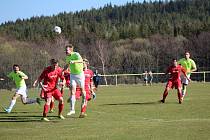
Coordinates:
(11, 10)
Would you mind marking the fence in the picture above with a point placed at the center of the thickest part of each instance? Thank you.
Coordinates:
(116, 79)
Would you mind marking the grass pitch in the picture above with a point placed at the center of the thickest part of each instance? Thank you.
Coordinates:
(118, 113)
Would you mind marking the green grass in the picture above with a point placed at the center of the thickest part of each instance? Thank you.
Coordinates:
(119, 113)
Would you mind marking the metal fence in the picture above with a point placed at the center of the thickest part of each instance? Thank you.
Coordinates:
(116, 79)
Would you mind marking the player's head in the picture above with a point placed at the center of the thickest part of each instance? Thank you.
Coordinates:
(69, 48)
(16, 67)
(54, 63)
(85, 63)
(174, 60)
(187, 54)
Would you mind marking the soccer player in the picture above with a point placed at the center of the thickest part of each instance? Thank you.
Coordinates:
(174, 80)
(21, 90)
(88, 87)
(75, 63)
(96, 79)
(145, 78)
(150, 77)
(50, 77)
(190, 66)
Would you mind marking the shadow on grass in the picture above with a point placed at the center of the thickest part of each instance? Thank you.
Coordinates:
(143, 103)
(11, 117)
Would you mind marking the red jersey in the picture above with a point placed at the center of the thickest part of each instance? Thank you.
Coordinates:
(51, 77)
(175, 72)
(88, 80)
(88, 77)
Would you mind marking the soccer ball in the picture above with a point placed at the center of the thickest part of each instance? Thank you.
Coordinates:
(57, 29)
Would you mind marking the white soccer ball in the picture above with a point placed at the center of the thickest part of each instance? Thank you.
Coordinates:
(57, 29)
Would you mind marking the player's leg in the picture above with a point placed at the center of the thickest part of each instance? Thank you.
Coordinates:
(12, 103)
(179, 94)
(48, 98)
(83, 104)
(178, 86)
(184, 85)
(58, 96)
(26, 100)
(52, 105)
(167, 88)
(81, 83)
(72, 96)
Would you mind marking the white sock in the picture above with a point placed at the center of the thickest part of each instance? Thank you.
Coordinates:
(12, 103)
(72, 103)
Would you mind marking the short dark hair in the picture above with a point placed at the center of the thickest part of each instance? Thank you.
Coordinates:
(53, 61)
(174, 59)
(16, 65)
(69, 46)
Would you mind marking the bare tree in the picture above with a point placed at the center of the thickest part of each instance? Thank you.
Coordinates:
(102, 51)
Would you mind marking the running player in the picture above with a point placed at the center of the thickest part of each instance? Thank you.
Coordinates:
(50, 77)
(190, 67)
(75, 63)
(88, 87)
(174, 80)
(21, 90)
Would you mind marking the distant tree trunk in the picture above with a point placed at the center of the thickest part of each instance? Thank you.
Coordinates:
(101, 52)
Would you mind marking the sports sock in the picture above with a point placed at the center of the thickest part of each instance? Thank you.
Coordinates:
(84, 102)
(60, 107)
(184, 89)
(46, 108)
(72, 103)
(12, 103)
(165, 94)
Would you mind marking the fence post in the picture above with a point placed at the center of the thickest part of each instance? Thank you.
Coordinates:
(116, 80)
(204, 76)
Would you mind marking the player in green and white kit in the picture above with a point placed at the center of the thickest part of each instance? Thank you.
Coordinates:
(21, 90)
(190, 67)
(75, 62)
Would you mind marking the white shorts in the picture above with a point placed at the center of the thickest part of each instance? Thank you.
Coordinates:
(77, 79)
(22, 91)
(184, 79)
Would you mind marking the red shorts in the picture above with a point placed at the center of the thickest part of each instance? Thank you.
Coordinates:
(171, 84)
(88, 94)
(55, 93)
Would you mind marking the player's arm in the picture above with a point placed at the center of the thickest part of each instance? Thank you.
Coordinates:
(183, 70)
(22, 75)
(41, 77)
(62, 78)
(35, 83)
(194, 68)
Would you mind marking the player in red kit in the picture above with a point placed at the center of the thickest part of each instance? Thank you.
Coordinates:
(50, 77)
(174, 80)
(88, 87)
